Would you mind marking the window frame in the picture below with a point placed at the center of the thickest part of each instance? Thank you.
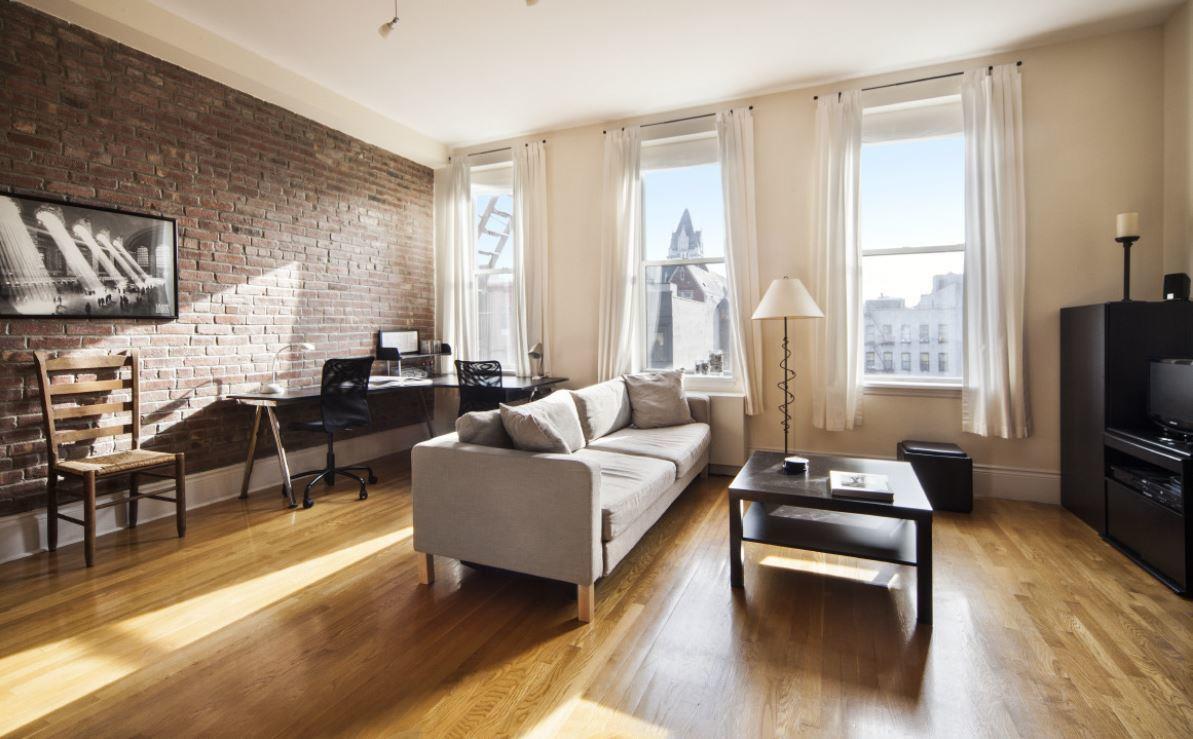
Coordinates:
(693, 130)
(878, 384)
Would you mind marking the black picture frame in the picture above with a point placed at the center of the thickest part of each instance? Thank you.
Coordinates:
(85, 261)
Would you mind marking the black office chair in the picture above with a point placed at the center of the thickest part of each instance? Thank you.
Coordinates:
(343, 405)
(480, 386)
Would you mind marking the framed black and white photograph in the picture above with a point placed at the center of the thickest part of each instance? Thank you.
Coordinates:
(77, 261)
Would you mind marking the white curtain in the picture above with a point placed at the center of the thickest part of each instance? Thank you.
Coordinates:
(837, 368)
(455, 257)
(530, 252)
(618, 348)
(994, 391)
(735, 150)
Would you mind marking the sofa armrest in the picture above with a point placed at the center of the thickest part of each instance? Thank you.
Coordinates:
(701, 408)
(533, 513)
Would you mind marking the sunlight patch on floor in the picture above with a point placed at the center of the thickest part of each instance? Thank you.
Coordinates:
(580, 717)
(38, 681)
(874, 575)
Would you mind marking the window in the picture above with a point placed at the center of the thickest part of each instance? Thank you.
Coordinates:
(942, 362)
(871, 361)
(912, 227)
(686, 321)
(888, 362)
(492, 203)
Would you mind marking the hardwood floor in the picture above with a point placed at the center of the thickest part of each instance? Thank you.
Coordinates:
(265, 621)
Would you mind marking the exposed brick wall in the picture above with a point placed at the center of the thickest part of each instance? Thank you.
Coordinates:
(288, 231)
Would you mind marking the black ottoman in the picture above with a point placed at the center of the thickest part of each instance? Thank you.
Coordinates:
(945, 472)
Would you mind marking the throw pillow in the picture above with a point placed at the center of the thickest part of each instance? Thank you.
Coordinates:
(603, 408)
(547, 425)
(657, 399)
(484, 428)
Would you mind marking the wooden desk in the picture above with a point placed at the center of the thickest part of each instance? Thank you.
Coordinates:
(513, 388)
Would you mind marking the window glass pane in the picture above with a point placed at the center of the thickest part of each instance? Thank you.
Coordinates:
(687, 319)
(683, 213)
(492, 204)
(906, 290)
(913, 193)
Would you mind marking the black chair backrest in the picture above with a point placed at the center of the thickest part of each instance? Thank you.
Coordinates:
(479, 374)
(344, 393)
(480, 385)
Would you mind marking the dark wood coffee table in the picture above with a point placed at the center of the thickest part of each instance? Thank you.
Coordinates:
(782, 513)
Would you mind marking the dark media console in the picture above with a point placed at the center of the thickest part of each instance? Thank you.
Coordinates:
(1118, 472)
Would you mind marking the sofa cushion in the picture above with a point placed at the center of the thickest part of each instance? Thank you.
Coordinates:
(657, 399)
(603, 408)
(630, 485)
(683, 446)
(484, 428)
(547, 425)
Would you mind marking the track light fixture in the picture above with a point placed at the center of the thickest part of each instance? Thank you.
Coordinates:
(389, 25)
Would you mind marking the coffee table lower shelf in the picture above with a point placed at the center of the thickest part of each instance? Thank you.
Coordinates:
(890, 540)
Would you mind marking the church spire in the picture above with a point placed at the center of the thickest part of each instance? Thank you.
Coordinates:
(686, 241)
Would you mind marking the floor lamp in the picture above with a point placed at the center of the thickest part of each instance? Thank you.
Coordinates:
(786, 298)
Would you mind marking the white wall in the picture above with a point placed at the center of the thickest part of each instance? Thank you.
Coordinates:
(1093, 116)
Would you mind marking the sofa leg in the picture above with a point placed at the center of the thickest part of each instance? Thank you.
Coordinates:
(426, 568)
(585, 602)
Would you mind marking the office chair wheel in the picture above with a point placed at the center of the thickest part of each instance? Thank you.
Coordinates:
(364, 494)
(372, 479)
(307, 503)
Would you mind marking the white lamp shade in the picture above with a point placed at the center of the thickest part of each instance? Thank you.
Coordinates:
(787, 298)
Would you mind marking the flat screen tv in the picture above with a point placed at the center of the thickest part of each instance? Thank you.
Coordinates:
(1170, 395)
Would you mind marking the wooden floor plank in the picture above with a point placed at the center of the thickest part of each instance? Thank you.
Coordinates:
(266, 621)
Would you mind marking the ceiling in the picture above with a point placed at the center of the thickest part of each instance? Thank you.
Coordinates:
(467, 71)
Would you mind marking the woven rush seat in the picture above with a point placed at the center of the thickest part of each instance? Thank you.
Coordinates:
(112, 464)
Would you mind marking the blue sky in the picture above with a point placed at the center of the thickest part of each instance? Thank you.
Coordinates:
(913, 193)
(666, 192)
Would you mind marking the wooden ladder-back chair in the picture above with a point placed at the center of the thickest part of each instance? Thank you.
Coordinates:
(62, 401)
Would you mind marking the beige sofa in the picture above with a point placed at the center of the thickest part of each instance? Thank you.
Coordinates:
(569, 517)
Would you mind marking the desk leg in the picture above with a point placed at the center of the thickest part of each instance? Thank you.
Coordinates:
(923, 574)
(287, 488)
(427, 419)
(248, 462)
(735, 563)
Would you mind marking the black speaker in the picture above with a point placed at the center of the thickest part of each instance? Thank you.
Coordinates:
(1176, 286)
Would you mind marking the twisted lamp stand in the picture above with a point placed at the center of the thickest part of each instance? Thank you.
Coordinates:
(785, 386)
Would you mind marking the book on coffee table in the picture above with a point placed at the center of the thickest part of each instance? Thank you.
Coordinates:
(860, 486)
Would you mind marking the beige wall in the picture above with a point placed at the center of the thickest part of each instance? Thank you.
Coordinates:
(1093, 114)
(1178, 141)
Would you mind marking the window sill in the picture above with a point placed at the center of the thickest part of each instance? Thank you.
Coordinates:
(913, 389)
(705, 384)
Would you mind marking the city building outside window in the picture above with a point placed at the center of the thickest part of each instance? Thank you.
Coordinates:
(888, 362)
(686, 317)
(912, 234)
(492, 203)
(871, 361)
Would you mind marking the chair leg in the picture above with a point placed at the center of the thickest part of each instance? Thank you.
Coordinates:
(134, 487)
(52, 510)
(180, 493)
(362, 468)
(426, 568)
(89, 518)
(331, 460)
(585, 602)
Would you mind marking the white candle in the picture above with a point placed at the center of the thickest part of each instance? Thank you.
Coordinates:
(1127, 224)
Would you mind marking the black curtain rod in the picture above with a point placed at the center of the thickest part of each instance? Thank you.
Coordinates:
(493, 151)
(677, 120)
(921, 79)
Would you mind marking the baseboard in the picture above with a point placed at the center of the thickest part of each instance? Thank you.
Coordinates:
(24, 533)
(994, 481)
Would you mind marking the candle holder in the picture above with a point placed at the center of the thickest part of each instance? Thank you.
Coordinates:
(1127, 242)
